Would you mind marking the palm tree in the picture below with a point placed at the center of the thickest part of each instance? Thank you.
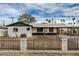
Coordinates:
(55, 21)
(61, 20)
(73, 24)
(47, 20)
(52, 20)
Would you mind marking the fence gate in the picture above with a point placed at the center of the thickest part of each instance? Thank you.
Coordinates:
(73, 44)
(44, 44)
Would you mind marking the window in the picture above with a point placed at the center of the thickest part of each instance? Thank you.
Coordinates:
(28, 29)
(15, 29)
(50, 29)
(39, 29)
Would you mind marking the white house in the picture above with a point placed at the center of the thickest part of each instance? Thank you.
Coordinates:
(24, 29)
(18, 29)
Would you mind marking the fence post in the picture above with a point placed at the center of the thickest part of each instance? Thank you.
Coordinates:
(64, 44)
(23, 44)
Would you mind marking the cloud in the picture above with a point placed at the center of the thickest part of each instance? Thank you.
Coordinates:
(52, 10)
(72, 11)
(7, 9)
(44, 8)
(41, 10)
(7, 20)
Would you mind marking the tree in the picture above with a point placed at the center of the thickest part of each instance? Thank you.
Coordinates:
(55, 22)
(49, 21)
(27, 18)
(61, 20)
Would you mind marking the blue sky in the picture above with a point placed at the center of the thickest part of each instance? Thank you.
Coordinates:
(39, 10)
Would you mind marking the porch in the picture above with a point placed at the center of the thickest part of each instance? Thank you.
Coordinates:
(69, 31)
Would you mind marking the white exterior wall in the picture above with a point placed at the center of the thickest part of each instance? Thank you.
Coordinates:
(46, 30)
(34, 30)
(21, 30)
(55, 30)
(3, 32)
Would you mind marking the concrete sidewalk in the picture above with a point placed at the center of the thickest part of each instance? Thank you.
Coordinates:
(38, 53)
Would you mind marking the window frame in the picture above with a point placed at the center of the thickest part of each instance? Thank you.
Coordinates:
(39, 30)
(28, 29)
(51, 29)
(15, 29)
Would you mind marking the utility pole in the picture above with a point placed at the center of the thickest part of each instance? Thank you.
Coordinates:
(12, 19)
(73, 20)
(3, 22)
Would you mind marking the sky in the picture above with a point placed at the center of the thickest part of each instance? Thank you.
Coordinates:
(40, 11)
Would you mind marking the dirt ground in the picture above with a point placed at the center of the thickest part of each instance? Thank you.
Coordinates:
(39, 53)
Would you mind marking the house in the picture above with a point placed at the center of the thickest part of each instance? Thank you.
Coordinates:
(20, 28)
(28, 29)
(3, 31)
(47, 28)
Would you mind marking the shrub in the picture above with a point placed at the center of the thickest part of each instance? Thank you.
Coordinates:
(23, 35)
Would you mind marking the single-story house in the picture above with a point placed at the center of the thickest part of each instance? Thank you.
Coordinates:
(20, 28)
(3, 31)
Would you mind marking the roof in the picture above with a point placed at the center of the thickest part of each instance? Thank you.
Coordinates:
(3, 27)
(48, 25)
(41, 25)
(19, 24)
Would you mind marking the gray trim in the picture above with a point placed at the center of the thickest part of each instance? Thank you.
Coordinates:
(18, 24)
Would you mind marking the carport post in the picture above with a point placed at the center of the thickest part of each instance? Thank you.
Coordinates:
(64, 44)
(23, 44)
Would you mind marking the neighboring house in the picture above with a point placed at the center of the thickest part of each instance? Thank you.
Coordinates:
(47, 28)
(3, 31)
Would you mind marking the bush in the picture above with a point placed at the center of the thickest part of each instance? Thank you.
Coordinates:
(23, 35)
